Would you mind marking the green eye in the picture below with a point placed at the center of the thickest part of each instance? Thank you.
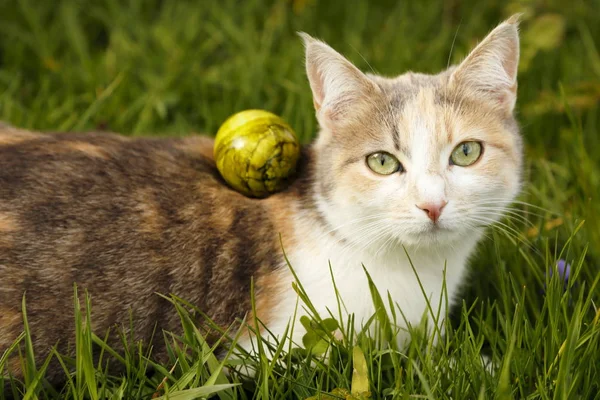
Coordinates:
(466, 154)
(384, 163)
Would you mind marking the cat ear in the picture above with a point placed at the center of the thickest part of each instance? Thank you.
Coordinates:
(340, 90)
(491, 68)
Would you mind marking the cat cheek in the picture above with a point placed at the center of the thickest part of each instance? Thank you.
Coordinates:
(500, 169)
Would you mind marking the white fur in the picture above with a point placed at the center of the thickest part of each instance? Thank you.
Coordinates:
(390, 270)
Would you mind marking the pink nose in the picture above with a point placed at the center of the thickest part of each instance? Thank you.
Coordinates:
(433, 210)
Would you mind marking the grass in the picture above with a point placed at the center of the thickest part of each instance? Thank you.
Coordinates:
(171, 68)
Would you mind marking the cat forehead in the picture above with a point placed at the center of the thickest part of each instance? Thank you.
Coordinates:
(402, 89)
(416, 107)
(414, 104)
(422, 110)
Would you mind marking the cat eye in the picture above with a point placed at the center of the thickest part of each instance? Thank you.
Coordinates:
(466, 154)
(384, 163)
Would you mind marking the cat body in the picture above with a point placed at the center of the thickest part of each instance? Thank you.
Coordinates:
(124, 219)
(128, 218)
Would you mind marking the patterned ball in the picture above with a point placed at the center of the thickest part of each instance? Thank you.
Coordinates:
(256, 152)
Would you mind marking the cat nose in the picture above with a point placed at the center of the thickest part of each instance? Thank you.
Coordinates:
(433, 210)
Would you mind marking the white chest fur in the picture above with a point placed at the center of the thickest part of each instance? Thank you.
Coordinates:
(391, 273)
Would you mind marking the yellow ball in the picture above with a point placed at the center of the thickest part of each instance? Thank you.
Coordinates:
(256, 152)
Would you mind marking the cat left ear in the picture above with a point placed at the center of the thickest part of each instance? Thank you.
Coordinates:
(491, 68)
(340, 90)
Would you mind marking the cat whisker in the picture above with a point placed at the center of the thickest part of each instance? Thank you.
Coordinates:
(385, 245)
(448, 66)
(493, 222)
(351, 222)
(507, 230)
(474, 227)
(498, 200)
(494, 207)
(511, 209)
(377, 227)
(507, 215)
(501, 213)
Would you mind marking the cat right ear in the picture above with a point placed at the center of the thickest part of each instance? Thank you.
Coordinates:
(340, 90)
(491, 68)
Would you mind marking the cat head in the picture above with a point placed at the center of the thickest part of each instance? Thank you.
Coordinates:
(417, 158)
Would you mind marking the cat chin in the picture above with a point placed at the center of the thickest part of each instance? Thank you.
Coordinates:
(436, 235)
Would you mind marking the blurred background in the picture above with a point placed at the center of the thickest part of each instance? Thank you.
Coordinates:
(174, 67)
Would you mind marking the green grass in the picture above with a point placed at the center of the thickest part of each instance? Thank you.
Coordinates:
(175, 67)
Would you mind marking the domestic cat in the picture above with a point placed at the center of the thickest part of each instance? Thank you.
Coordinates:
(417, 164)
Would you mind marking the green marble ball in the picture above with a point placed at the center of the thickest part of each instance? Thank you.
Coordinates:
(256, 152)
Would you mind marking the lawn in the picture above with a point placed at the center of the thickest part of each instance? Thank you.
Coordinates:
(153, 67)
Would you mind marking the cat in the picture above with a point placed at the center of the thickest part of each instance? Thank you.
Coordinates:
(413, 166)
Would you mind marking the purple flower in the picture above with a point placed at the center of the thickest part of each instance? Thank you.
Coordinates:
(564, 270)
